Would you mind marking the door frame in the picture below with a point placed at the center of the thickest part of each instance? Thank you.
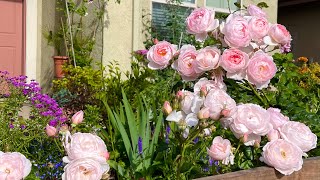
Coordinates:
(32, 48)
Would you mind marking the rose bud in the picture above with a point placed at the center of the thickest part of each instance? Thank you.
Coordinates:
(77, 118)
(167, 109)
(51, 131)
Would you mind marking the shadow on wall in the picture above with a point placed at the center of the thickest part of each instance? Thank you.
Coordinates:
(302, 20)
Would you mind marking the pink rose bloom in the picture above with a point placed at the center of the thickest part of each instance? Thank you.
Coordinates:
(207, 59)
(191, 103)
(185, 64)
(251, 118)
(235, 63)
(220, 148)
(14, 166)
(200, 22)
(299, 134)
(236, 31)
(261, 69)
(278, 34)
(77, 118)
(218, 100)
(202, 84)
(273, 135)
(284, 156)
(84, 168)
(159, 55)
(258, 27)
(254, 10)
(277, 119)
(83, 145)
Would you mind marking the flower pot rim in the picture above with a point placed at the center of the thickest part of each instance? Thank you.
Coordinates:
(61, 57)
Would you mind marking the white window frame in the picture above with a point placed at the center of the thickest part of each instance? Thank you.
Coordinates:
(221, 10)
(184, 4)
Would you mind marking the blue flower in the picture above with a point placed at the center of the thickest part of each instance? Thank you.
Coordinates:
(140, 145)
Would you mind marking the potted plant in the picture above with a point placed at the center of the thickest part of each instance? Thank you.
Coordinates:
(57, 40)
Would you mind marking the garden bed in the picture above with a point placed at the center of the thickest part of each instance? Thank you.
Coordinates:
(309, 171)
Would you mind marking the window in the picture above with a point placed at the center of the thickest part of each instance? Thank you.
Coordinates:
(222, 5)
(168, 20)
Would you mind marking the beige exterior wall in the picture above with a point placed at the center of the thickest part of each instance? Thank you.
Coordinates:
(118, 33)
(50, 20)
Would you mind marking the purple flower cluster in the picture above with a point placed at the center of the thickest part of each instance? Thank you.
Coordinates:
(45, 105)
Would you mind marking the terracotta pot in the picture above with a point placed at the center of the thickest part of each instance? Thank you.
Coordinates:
(59, 61)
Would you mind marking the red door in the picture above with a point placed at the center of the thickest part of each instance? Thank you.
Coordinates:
(11, 37)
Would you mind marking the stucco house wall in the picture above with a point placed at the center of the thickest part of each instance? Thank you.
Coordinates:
(121, 34)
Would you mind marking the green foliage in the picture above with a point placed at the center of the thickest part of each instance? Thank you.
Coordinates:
(81, 87)
(133, 126)
(262, 5)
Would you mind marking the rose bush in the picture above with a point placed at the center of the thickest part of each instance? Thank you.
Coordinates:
(234, 54)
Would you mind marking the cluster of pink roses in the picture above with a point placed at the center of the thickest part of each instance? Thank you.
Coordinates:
(289, 140)
(245, 39)
(14, 166)
(87, 157)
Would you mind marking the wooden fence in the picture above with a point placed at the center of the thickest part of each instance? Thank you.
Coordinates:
(310, 171)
